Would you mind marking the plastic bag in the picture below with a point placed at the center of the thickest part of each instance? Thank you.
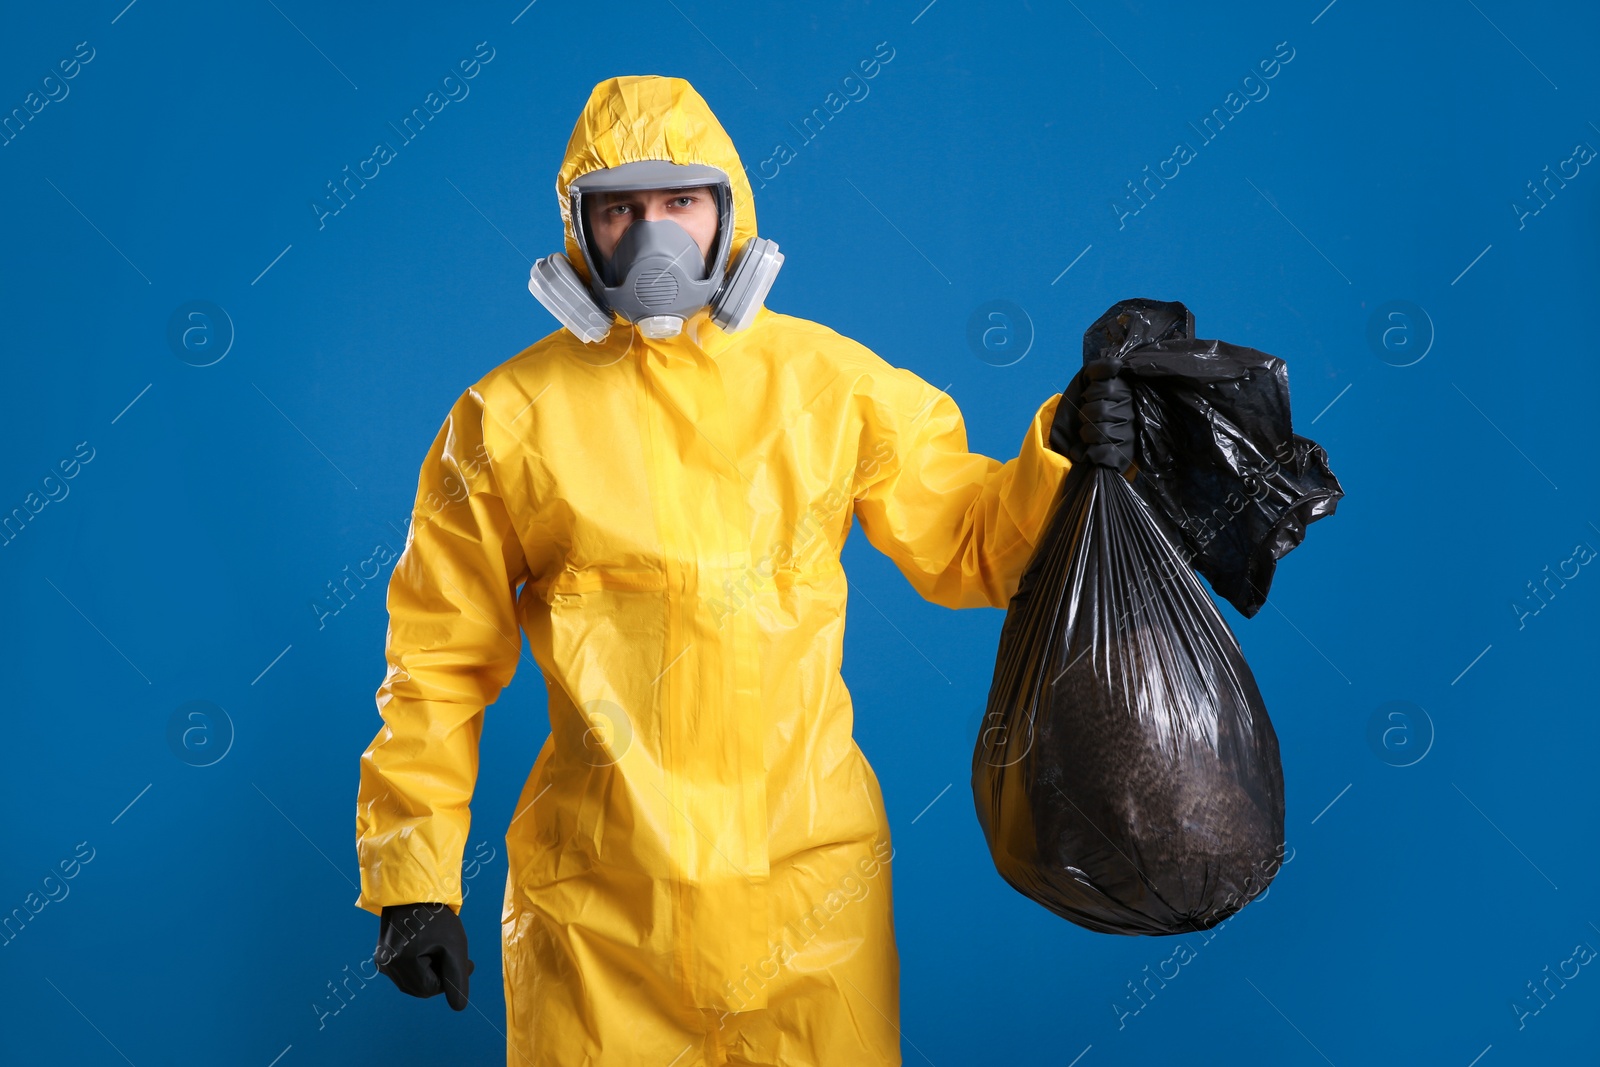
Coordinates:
(1127, 776)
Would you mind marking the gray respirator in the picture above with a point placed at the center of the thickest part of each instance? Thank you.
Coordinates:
(656, 277)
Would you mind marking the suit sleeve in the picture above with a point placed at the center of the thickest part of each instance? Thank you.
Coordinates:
(453, 643)
(959, 525)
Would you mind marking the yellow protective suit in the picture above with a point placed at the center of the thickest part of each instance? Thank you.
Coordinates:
(699, 862)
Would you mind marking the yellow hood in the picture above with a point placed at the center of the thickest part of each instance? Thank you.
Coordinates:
(640, 117)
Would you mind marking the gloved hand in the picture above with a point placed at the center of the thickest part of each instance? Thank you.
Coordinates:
(423, 950)
(1094, 422)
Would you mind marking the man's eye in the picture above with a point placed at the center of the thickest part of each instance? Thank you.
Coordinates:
(615, 209)
(684, 201)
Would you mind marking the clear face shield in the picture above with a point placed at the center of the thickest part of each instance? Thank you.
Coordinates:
(656, 277)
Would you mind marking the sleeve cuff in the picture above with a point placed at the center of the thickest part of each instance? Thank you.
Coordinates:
(1039, 476)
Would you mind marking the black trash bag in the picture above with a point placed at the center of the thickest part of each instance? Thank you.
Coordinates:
(1127, 776)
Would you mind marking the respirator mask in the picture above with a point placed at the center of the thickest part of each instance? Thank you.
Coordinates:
(656, 277)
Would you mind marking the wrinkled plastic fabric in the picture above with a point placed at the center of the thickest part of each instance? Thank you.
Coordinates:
(700, 834)
(1127, 776)
(1217, 456)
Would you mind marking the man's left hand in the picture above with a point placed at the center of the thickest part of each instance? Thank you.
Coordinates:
(1094, 422)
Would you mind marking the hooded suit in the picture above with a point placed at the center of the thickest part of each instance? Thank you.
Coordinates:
(700, 859)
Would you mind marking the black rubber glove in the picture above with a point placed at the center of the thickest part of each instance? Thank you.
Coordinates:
(1094, 422)
(423, 950)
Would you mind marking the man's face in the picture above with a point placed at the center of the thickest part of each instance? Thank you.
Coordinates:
(610, 214)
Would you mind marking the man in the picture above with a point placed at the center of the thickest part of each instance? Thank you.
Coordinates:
(657, 496)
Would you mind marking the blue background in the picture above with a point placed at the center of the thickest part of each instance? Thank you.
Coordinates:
(1383, 163)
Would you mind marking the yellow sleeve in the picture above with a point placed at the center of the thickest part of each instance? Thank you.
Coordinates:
(452, 646)
(960, 525)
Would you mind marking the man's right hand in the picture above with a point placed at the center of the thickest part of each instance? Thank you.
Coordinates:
(423, 950)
